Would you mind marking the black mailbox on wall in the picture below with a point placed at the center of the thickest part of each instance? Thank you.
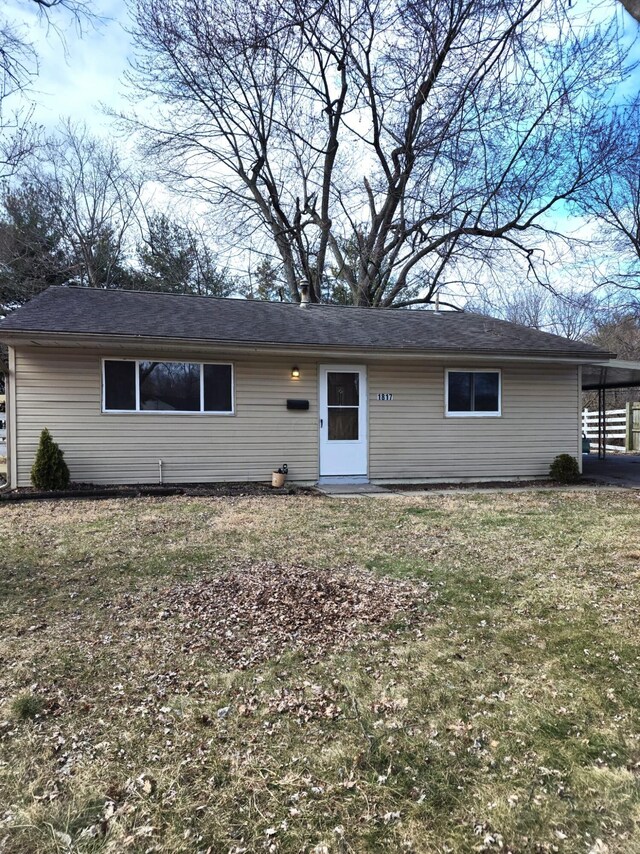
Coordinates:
(297, 404)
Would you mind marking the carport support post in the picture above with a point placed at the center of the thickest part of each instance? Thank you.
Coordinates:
(602, 438)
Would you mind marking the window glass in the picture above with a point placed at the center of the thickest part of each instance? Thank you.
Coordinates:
(473, 391)
(460, 391)
(119, 385)
(169, 386)
(217, 388)
(486, 393)
(343, 423)
(342, 388)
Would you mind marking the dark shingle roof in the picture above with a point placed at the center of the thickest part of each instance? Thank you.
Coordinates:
(88, 311)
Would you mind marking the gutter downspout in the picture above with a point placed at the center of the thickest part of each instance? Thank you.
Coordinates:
(579, 455)
(9, 391)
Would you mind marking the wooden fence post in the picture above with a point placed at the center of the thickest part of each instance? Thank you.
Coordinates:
(632, 440)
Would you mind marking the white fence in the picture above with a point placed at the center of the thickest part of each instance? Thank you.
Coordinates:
(615, 428)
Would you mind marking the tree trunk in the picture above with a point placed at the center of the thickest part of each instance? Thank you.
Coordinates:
(632, 7)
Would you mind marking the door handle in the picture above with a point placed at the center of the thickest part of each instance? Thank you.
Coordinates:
(321, 423)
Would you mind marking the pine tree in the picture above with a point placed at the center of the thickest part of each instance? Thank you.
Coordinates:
(49, 470)
(175, 257)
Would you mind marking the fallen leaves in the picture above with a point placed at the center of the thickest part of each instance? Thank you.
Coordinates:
(258, 612)
(306, 703)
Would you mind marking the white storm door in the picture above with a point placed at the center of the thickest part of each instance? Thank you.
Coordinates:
(343, 420)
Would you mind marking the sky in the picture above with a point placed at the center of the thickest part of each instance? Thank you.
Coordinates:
(79, 72)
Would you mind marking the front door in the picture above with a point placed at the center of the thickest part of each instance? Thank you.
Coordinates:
(343, 421)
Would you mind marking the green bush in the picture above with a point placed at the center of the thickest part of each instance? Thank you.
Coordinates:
(565, 469)
(49, 470)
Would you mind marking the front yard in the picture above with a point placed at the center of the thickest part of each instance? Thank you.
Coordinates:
(453, 673)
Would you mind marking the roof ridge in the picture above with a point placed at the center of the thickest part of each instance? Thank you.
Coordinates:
(250, 300)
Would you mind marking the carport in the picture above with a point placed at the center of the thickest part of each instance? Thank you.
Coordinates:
(602, 376)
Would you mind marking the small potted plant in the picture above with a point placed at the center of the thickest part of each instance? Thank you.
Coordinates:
(279, 476)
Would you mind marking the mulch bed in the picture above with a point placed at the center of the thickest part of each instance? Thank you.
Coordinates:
(252, 614)
(488, 484)
(96, 491)
(92, 490)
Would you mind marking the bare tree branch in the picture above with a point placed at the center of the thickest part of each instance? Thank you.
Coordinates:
(380, 143)
(18, 68)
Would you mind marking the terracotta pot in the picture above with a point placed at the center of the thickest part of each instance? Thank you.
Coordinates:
(278, 479)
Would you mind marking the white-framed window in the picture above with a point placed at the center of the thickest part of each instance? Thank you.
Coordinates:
(475, 393)
(167, 387)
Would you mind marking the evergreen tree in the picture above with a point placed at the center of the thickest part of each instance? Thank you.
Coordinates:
(32, 254)
(49, 470)
(265, 283)
(175, 258)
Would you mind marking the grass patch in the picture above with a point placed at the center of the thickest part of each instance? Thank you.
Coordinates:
(26, 707)
(502, 716)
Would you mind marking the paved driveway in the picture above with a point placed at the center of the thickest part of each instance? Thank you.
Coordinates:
(618, 469)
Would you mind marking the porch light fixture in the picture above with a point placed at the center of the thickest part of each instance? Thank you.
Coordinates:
(295, 373)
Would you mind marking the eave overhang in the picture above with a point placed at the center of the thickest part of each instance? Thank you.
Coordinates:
(135, 343)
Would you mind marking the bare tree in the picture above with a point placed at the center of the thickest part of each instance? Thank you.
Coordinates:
(387, 141)
(572, 313)
(575, 313)
(613, 201)
(18, 68)
(18, 61)
(95, 201)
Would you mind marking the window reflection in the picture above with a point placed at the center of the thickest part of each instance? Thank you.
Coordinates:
(343, 399)
(342, 388)
(169, 386)
(343, 423)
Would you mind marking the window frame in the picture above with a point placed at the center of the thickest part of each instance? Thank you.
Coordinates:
(138, 411)
(473, 414)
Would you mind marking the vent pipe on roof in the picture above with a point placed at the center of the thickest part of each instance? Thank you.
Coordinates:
(437, 304)
(305, 302)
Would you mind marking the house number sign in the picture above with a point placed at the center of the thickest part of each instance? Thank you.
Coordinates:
(385, 395)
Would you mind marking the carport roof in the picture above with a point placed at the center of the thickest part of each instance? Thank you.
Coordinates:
(614, 373)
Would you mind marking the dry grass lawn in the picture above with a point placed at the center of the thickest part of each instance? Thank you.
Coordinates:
(453, 673)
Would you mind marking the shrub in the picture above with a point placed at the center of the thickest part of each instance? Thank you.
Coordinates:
(565, 469)
(27, 706)
(49, 470)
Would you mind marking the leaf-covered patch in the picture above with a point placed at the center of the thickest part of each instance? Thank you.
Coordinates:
(258, 612)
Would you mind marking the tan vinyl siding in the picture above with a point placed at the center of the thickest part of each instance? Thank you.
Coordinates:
(411, 438)
(61, 389)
